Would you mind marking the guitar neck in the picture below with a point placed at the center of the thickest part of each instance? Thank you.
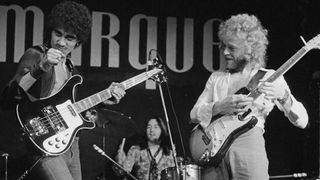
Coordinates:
(283, 69)
(287, 65)
(105, 94)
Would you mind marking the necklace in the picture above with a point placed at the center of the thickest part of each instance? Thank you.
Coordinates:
(155, 154)
(153, 164)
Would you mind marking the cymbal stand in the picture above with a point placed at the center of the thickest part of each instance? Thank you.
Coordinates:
(169, 129)
(110, 159)
(5, 155)
(318, 85)
(104, 149)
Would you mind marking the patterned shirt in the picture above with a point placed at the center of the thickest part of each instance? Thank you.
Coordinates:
(139, 161)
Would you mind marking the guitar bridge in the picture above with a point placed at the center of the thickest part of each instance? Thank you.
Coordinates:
(35, 127)
(205, 157)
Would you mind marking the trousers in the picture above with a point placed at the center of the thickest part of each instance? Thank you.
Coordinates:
(63, 167)
(246, 159)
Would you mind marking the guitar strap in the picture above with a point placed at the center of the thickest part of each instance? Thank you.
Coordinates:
(254, 81)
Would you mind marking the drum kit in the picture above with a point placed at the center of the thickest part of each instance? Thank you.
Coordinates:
(113, 123)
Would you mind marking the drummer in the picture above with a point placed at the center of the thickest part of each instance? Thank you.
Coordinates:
(153, 155)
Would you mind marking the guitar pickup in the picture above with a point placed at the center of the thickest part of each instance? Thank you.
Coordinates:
(206, 139)
(71, 110)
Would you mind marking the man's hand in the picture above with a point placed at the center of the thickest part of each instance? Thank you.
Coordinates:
(117, 92)
(272, 90)
(233, 104)
(53, 57)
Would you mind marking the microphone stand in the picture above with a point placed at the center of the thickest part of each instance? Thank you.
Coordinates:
(317, 74)
(151, 63)
(169, 129)
(118, 165)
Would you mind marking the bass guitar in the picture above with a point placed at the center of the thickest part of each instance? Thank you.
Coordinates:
(52, 123)
(209, 145)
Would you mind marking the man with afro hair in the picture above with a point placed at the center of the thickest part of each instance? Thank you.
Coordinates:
(42, 72)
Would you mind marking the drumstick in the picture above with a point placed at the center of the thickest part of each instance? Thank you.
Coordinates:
(122, 143)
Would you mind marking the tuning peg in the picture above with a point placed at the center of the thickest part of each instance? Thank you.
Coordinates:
(304, 42)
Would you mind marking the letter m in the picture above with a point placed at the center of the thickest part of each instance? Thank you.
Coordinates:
(19, 29)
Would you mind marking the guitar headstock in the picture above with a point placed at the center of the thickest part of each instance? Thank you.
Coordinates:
(313, 43)
(157, 66)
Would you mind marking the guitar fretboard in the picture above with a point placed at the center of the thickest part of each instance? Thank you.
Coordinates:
(105, 94)
(283, 69)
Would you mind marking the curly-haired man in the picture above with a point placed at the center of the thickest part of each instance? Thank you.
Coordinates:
(42, 72)
(243, 48)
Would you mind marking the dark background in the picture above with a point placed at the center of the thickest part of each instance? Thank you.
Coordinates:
(290, 150)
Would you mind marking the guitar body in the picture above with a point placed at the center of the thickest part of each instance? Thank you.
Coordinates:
(51, 123)
(208, 146)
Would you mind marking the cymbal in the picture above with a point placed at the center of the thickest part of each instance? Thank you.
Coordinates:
(114, 124)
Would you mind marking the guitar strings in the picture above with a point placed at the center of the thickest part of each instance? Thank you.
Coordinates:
(53, 119)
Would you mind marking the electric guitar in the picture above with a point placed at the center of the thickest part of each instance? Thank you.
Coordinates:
(51, 123)
(209, 145)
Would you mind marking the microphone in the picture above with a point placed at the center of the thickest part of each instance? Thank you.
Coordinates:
(149, 61)
(152, 60)
(99, 150)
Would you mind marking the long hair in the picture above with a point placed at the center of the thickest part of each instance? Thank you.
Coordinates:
(164, 137)
(72, 17)
(250, 29)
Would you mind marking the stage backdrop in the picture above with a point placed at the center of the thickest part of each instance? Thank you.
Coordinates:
(183, 35)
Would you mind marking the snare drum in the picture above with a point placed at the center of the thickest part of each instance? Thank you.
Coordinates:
(191, 172)
(170, 174)
(187, 172)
